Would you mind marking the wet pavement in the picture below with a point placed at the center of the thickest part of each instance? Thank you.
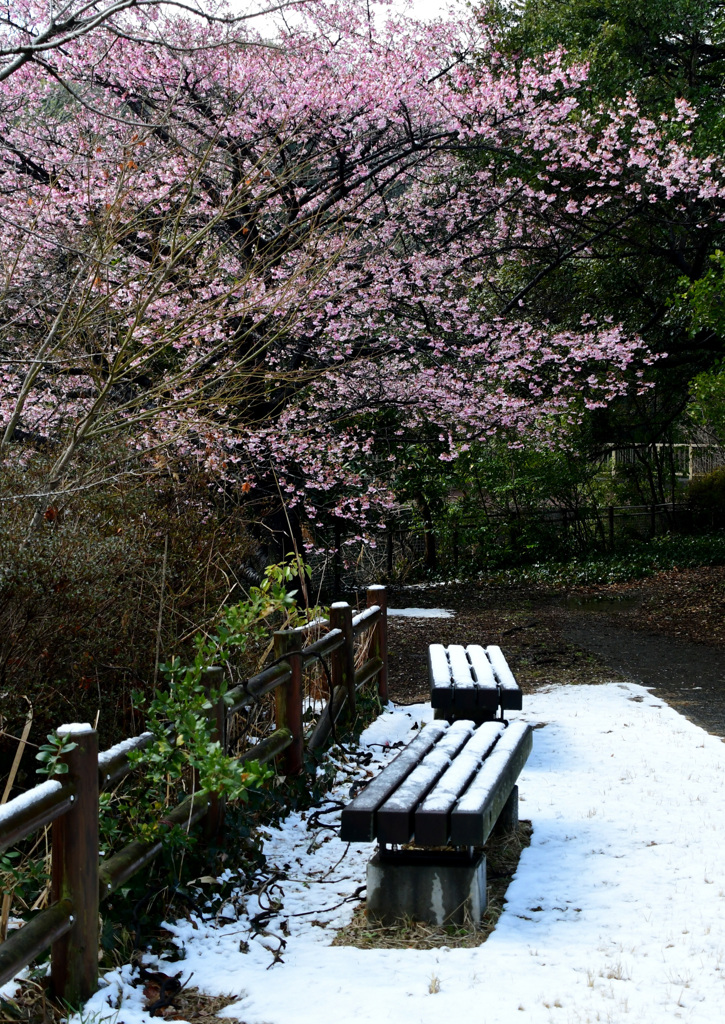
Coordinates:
(690, 677)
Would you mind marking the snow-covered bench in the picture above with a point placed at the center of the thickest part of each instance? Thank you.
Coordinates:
(471, 682)
(446, 789)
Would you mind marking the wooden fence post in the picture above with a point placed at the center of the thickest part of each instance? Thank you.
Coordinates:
(378, 595)
(610, 515)
(288, 697)
(212, 679)
(74, 956)
(342, 661)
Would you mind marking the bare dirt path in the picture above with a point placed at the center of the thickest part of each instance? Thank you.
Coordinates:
(666, 632)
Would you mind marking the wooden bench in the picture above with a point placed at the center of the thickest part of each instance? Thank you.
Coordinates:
(447, 789)
(471, 683)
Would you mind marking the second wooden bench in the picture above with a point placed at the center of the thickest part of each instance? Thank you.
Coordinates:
(443, 794)
(471, 682)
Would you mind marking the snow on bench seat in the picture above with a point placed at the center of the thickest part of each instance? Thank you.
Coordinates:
(511, 699)
(395, 817)
(476, 812)
(447, 767)
(433, 816)
(358, 818)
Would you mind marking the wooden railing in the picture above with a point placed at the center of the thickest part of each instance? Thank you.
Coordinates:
(69, 926)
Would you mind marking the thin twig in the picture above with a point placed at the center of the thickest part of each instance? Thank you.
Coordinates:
(161, 606)
(18, 755)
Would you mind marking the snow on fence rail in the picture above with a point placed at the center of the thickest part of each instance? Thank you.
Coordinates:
(78, 883)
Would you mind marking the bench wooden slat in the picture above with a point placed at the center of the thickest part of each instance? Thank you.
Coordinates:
(395, 818)
(461, 677)
(511, 698)
(476, 812)
(358, 818)
(432, 818)
(440, 670)
(464, 689)
(486, 687)
(439, 673)
(481, 666)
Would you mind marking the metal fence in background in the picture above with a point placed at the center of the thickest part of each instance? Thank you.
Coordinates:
(405, 552)
(687, 460)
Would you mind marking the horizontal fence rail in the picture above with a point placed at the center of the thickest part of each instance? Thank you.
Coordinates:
(69, 926)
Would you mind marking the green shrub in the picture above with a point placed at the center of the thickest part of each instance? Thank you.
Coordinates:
(708, 491)
(183, 758)
(638, 560)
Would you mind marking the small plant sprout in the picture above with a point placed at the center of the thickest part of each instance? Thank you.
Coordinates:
(50, 754)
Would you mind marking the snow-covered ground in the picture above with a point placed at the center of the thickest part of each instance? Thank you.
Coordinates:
(422, 613)
(616, 913)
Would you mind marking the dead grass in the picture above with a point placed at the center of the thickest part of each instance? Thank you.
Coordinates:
(32, 1005)
(502, 858)
(192, 1005)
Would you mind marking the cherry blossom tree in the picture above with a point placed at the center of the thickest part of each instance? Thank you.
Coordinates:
(31, 30)
(254, 257)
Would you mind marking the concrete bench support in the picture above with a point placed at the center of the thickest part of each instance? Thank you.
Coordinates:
(439, 889)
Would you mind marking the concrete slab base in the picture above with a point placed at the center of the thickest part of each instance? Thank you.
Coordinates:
(439, 888)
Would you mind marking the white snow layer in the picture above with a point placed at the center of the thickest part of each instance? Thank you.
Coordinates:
(24, 801)
(422, 613)
(616, 912)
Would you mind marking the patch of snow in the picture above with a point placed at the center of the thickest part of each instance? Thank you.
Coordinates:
(10, 989)
(616, 912)
(74, 729)
(422, 613)
(396, 725)
(106, 756)
(437, 584)
(26, 800)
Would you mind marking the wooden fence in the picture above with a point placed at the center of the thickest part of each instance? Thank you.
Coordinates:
(69, 926)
